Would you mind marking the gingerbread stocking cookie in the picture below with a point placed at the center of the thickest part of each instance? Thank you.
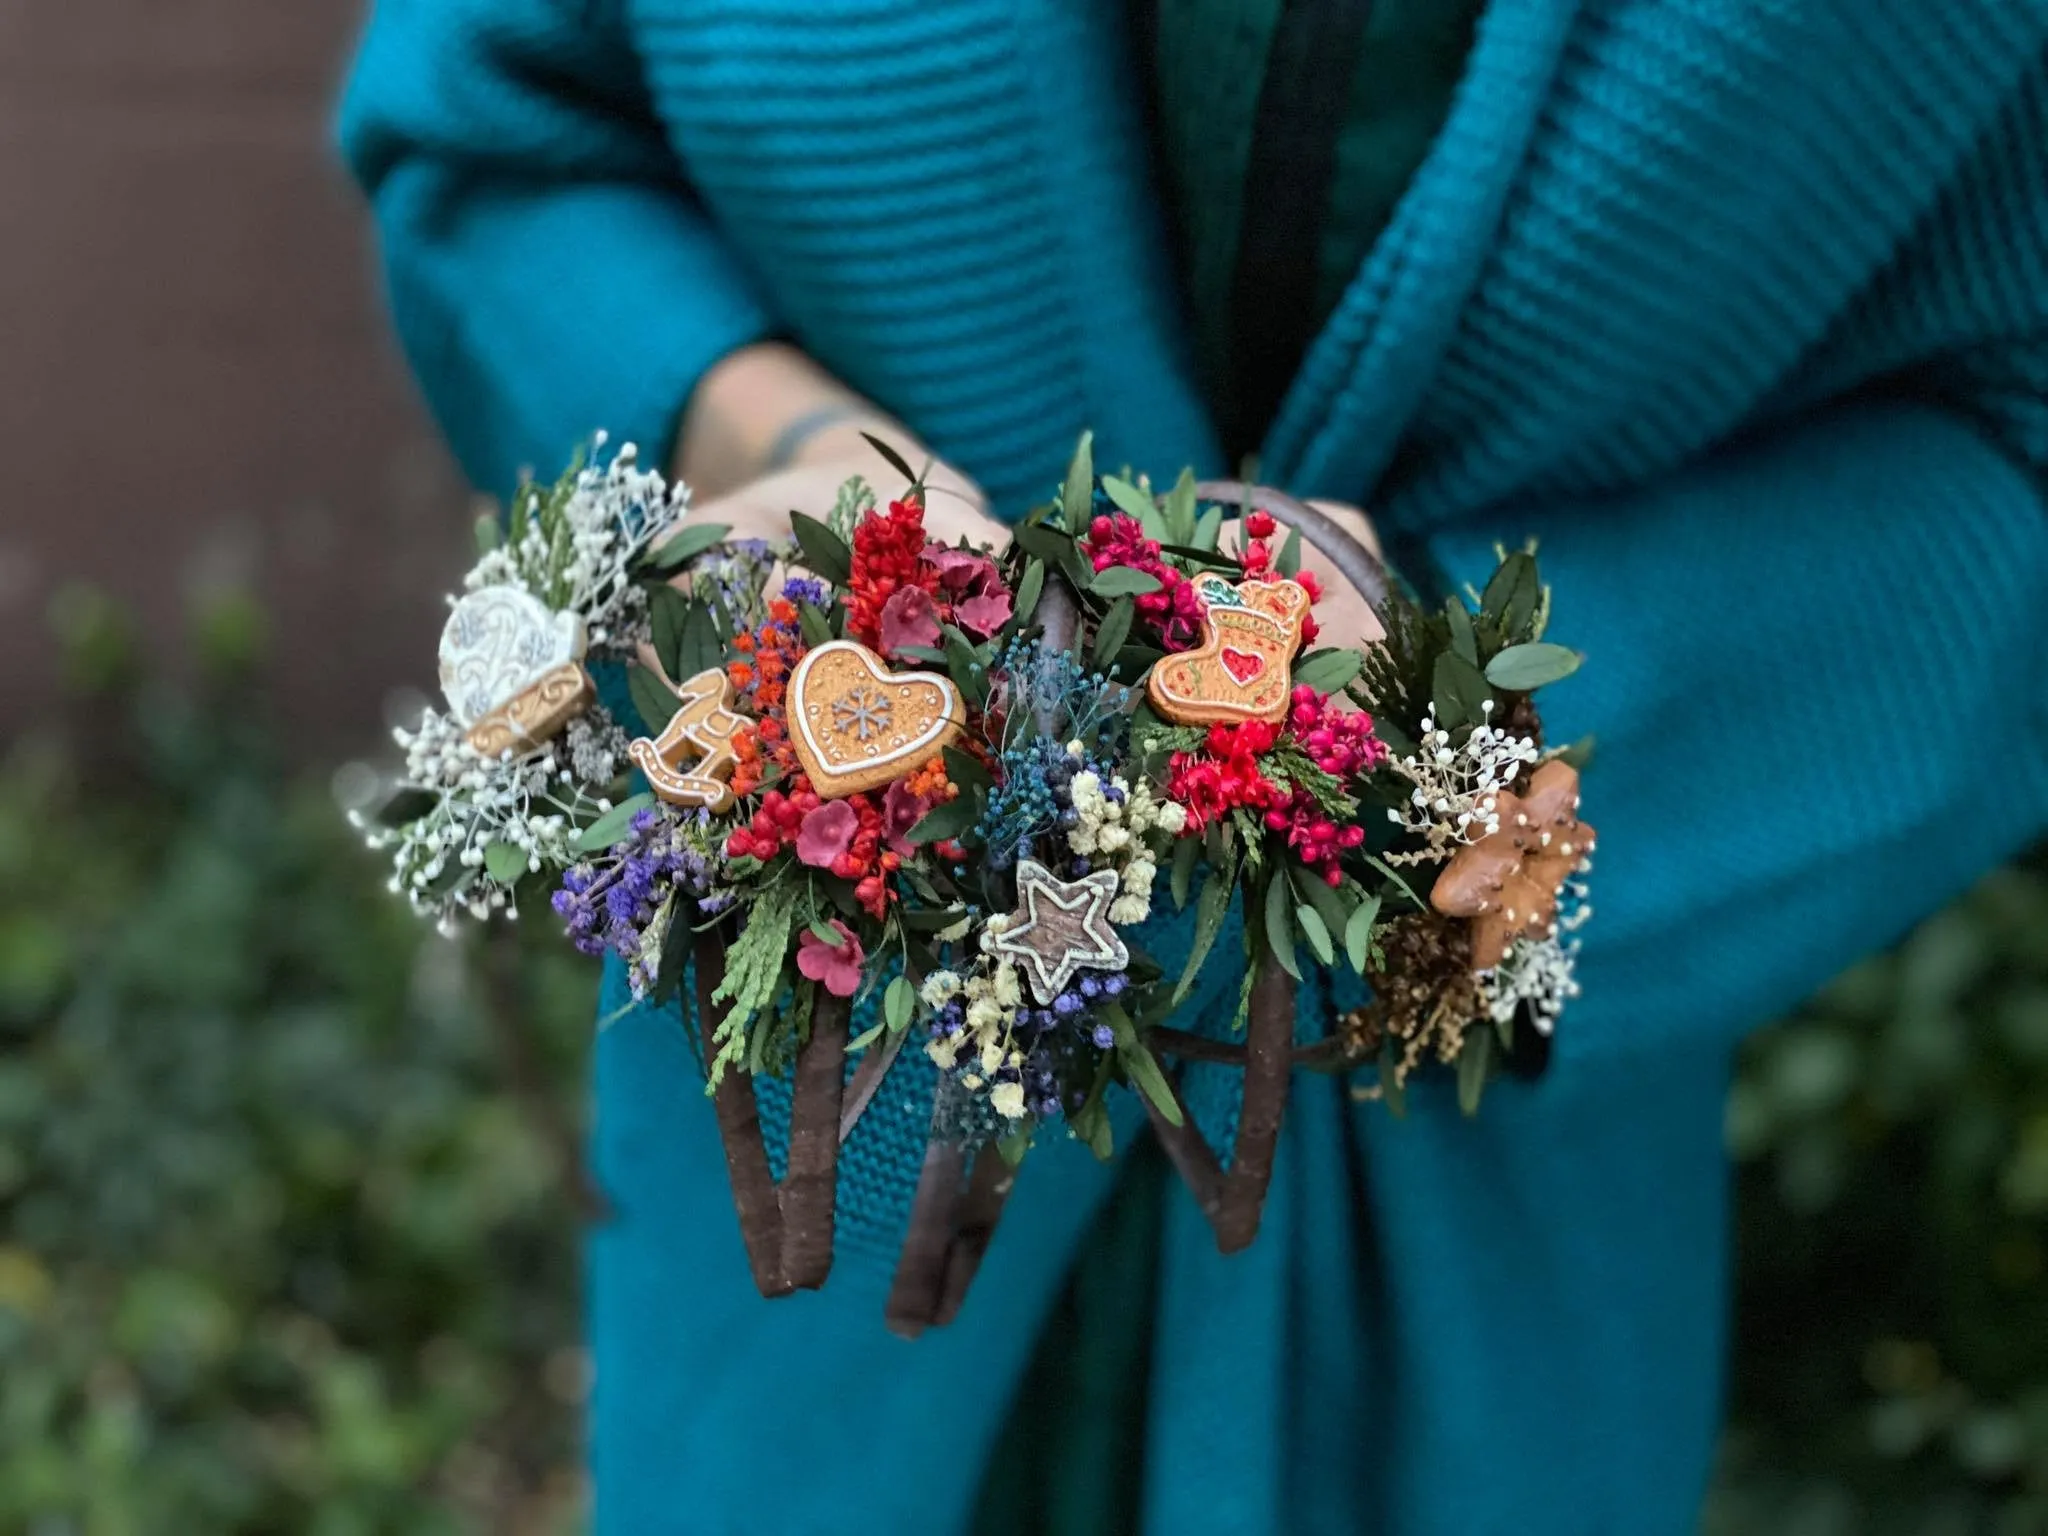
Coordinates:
(1241, 670)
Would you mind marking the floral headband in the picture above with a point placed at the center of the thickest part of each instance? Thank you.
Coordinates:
(963, 782)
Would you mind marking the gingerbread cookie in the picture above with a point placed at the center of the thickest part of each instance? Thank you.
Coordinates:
(512, 669)
(857, 726)
(1241, 670)
(689, 762)
(1061, 926)
(1507, 882)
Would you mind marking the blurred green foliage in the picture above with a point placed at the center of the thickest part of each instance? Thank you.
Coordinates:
(1891, 1375)
(289, 1201)
(282, 1247)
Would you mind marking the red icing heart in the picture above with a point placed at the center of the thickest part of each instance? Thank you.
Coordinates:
(1243, 666)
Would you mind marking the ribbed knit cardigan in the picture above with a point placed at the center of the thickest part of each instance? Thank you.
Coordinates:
(1741, 308)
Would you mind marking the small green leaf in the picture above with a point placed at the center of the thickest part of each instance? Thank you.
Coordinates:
(1317, 932)
(948, 820)
(816, 627)
(1525, 668)
(1141, 1066)
(1128, 498)
(1390, 1082)
(965, 769)
(1180, 510)
(1329, 671)
(1463, 640)
(1510, 595)
(1011, 1148)
(1474, 1060)
(1090, 1123)
(406, 806)
(1123, 581)
(1459, 691)
(1112, 632)
(825, 933)
(865, 1038)
(504, 862)
(1185, 852)
(895, 460)
(652, 700)
(1288, 561)
(1049, 544)
(931, 919)
(702, 649)
(686, 545)
(675, 955)
(1077, 492)
(1395, 875)
(824, 552)
(1208, 530)
(1029, 589)
(1280, 925)
(612, 826)
(968, 671)
(667, 612)
(897, 1003)
(1210, 910)
(1358, 933)
(1580, 752)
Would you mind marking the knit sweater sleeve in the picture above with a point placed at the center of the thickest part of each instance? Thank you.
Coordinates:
(549, 269)
(1814, 678)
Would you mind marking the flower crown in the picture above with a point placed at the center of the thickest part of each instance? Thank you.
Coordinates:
(966, 782)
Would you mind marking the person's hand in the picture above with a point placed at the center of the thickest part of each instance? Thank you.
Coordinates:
(759, 509)
(768, 432)
(1343, 616)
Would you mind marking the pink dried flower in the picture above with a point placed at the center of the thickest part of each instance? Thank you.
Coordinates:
(836, 967)
(826, 833)
(908, 618)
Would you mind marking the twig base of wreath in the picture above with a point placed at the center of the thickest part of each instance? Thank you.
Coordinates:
(787, 1227)
(1234, 1200)
(952, 1220)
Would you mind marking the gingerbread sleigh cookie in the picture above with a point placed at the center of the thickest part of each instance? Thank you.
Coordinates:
(1241, 670)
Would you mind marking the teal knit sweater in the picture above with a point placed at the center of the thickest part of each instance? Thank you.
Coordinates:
(1741, 308)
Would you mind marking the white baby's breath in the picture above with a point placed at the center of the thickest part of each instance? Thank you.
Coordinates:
(1455, 797)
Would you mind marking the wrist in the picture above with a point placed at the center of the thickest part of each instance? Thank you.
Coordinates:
(767, 407)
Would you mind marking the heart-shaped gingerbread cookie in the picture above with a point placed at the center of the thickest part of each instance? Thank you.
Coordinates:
(857, 726)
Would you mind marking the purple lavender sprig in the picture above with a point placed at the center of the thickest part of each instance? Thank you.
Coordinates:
(625, 901)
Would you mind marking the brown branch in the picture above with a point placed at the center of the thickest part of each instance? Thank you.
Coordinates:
(1234, 1201)
(754, 1194)
(1325, 1053)
(810, 1183)
(974, 1227)
(1269, 1038)
(867, 1081)
(914, 1294)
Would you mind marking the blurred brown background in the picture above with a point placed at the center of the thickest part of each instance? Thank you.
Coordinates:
(196, 386)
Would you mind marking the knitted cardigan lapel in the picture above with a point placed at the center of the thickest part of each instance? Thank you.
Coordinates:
(1499, 342)
(1370, 368)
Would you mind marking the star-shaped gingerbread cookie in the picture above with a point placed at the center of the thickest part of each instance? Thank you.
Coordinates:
(1061, 926)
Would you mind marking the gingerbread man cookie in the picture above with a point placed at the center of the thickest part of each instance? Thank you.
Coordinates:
(856, 725)
(1507, 882)
(1241, 670)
